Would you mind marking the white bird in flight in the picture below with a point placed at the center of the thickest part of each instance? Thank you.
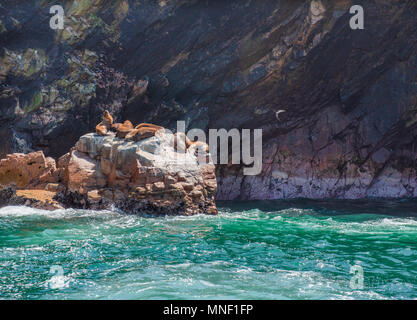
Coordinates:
(278, 113)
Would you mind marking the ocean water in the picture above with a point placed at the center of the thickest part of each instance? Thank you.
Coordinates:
(252, 250)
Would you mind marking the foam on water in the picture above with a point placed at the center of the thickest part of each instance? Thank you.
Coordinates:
(249, 251)
(21, 211)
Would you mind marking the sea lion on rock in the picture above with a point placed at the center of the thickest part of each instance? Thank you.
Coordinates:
(124, 129)
(181, 142)
(199, 145)
(115, 126)
(182, 137)
(101, 130)
(105, 125)
(148, 125)
(131, 134)
(142, 131)
(201, 150)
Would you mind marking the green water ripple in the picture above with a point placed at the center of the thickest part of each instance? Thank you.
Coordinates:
(259, 250)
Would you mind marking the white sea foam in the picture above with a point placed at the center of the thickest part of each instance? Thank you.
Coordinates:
(22, 211)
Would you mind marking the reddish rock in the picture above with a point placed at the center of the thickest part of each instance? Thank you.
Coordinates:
(84, 173)
(103, 172)
(39, 199)
(28, 171)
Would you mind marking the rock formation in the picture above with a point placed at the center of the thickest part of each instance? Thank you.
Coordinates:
(138, 176)
(29, 179)
(103, 172)
(29, 171)
(350, 125)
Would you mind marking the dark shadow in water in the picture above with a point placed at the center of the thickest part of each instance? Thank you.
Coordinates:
(391, 207)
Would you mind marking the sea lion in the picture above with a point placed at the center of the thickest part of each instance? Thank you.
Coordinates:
(101, 130)
(131, 134)
(201, 151)
(107, 119)
(148, 125)
(105, 125)
(115, 126)
(142, 133)
(124, 129)
(181, 142)
(199, 145)
(181, 137)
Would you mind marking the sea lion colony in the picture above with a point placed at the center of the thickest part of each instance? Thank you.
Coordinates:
(142, 131)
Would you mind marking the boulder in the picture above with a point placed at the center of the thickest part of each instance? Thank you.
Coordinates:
(147, 176)
(39, 199)
(28, 171)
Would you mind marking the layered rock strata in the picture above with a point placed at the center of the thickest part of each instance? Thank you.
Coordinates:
(350, 126)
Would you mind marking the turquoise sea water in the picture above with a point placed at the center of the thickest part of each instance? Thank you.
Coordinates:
(254, 250)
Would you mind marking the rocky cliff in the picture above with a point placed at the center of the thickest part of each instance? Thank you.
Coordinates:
(350, 96)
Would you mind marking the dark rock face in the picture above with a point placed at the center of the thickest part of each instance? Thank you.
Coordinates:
(350, 96)
(7, 193)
